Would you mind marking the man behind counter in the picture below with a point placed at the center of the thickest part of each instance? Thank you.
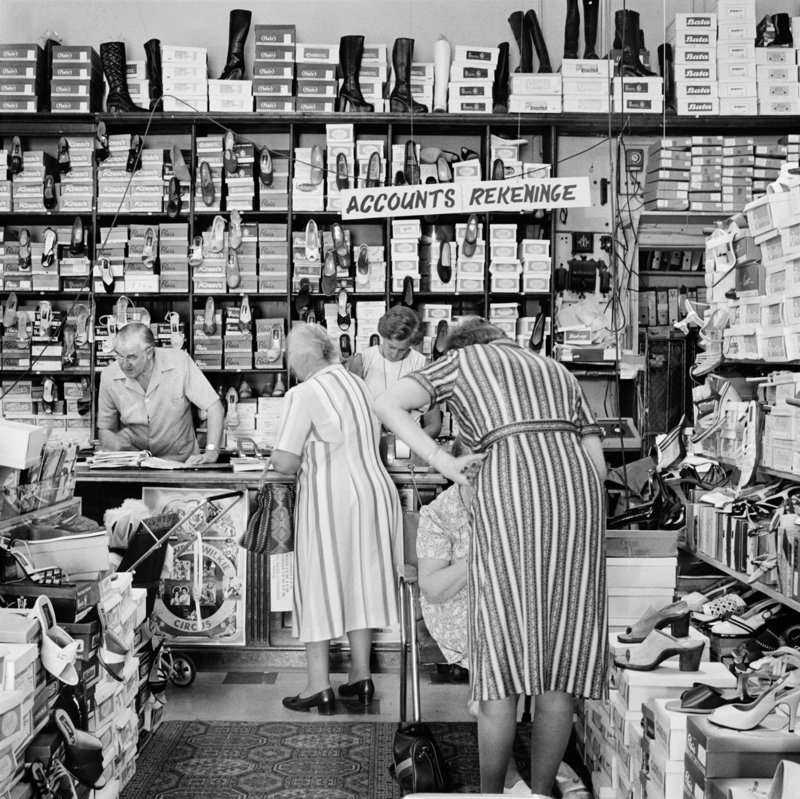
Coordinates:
(146, 397)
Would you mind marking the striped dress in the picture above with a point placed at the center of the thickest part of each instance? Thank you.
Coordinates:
(348, 527)
(537, 595)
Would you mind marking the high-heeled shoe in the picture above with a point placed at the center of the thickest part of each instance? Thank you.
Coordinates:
(374, 172)
(342, 176)
(785, 692)
(750, 622)
(784, 784)
(363, 689)
(324, 701)
(444, 266)
(470, 236)
(327, 283)
(657, 648)
(265, 168)
(411, 170)
(675, 616)
(703, 699)
(351, 49)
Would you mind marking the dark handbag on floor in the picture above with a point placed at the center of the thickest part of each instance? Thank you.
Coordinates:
(270, 528)
(418, 764)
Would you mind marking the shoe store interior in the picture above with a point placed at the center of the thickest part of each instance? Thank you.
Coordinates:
(390, 397)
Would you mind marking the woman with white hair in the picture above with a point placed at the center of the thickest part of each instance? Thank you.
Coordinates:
(348, 525)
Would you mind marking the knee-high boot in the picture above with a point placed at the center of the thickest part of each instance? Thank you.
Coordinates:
(519, 27)
(238, 29)
(591, 11)
(441, 73)
(152, 52)
(400, 100)
(500, 86)
(572, 27)
(112, 56)
(537, 37)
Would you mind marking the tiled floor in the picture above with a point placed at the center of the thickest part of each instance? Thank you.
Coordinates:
(256, 696)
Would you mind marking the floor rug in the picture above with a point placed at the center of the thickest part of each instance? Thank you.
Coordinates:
(330, 760)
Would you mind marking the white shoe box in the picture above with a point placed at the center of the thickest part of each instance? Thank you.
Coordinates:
(666, 775)
(690, 106)
(668, 682)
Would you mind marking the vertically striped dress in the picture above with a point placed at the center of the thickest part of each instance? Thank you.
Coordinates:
(537, 564)
(348, 525)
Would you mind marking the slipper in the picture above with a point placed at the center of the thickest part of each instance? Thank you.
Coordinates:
(229, 159)
(327, 283)
(85, 402)
(150, 248)
(206, 184)
(76, 246)
(101, 152)
(232, 401)
(10, 313)
(470, 236)
(343, 310)
(179, 168)
(232, 274)
(49, 249)
(48, 394)
(235, 231)
(82, 314)
(275, 346)
(196, 258)
(362, 266)
(58, 650)
(45, 317)
(16, 156)
(134, 163)
(174, 204)
(317, 166)
(303, 298)
(312, 241)
(64, 165)
(69, 353)
(84, 751)
(106, 275)
(245, 315)
(209, 321)
(24, 248)
(265, 169)
(217, 234)
(23, 318)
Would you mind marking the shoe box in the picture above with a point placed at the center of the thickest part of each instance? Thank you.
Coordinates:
(77, 83)
(21, 77)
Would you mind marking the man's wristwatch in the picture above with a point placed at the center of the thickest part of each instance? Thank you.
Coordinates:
(211, 447)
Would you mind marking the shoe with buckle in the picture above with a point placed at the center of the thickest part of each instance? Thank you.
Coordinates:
(196, 257)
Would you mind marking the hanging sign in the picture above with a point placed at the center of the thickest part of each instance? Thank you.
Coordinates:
(470, 198)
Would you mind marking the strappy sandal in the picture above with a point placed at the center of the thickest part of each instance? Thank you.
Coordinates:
(49, 248)
(176, 338)
(122, 309)
(196, 257)
(25, 249)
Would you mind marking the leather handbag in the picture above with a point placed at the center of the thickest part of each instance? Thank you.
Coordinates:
(270, 528)
(418, 765)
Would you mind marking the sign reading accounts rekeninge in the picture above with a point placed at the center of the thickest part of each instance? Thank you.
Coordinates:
(459, 198)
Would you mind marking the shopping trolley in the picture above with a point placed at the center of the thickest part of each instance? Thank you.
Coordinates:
(145, 558)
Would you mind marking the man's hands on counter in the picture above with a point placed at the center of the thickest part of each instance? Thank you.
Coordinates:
(204, 457)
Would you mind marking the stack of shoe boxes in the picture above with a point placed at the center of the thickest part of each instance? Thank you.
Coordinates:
(112, 177)
(207, 337)
(585, 85)
(26, 187)
(112, 245)
(504, 262)
(777, 82)
(669, 168)
(535, 257)
(469, 268)
(23, 70)
(373, 75)
(472, 95)
(736, 57)
(638, 95)
(305, 270)
(705, 173)
(275, 197)
(184, 77)
(769, 158)
(230, 96)
(173, 254)
(208, 277)
(694, 41)
(308, 187)
(5, 182)
(369, 314)
(535, 94)
(406, 234)
(77, 184)
(273, 255)
(139, 276)
(209, 151)
(138, 84)
(340, 140)
(374, 281)
(273, 68)
(77, 84)
(270, 344)
(316, 84)
(738, 161)
(239, 184)
(504, 315)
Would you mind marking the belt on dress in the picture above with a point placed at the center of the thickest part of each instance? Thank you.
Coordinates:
(524, 427)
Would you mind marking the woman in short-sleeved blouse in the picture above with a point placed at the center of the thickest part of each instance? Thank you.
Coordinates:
(537, 564)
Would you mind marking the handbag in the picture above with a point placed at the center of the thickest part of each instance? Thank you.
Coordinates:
(418, 764)
(270, 528)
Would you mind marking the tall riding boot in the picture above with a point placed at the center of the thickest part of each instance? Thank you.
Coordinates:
(626, 24)
(572, 27)
(400, 100)
(519, 27)
(591, 11)
(500, 85)
(45, 104)
(351, 48)
(783, 31)
(537, 37)
(665, 64)
(441, 73)
(238, 29)
(152, 52)
(112, 56)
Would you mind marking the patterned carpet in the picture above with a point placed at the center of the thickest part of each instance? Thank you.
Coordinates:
(331, 760)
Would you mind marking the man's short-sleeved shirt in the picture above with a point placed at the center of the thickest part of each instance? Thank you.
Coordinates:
(161, 418)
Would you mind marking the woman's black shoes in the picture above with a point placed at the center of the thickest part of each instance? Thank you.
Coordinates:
(324, 701)
(363, 689)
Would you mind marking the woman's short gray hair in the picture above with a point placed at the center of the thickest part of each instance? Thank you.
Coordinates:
(473, 330)
(307, 346)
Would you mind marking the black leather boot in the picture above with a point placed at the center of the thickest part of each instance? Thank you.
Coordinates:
(591, 11)
(626, 25)
(237, 35)
(519, 28)
(500, 85)
(537, 37)
(45, 104)
(400, 100)
(665, 64)
(112, 56)
(572, 27)
(152, 52)
(351, 48)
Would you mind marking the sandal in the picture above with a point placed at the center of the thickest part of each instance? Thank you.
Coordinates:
(48, 394)
(69, 352)
(176, 338)
(150, 249)
(82, 316)
(49, 248)
(275, 346)
(121, 311)
(25, 249)
(23, 320)
(45, 318)
(106, 275)
(209, 318)
(64, 165)
(232, 401)
(196, 258)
